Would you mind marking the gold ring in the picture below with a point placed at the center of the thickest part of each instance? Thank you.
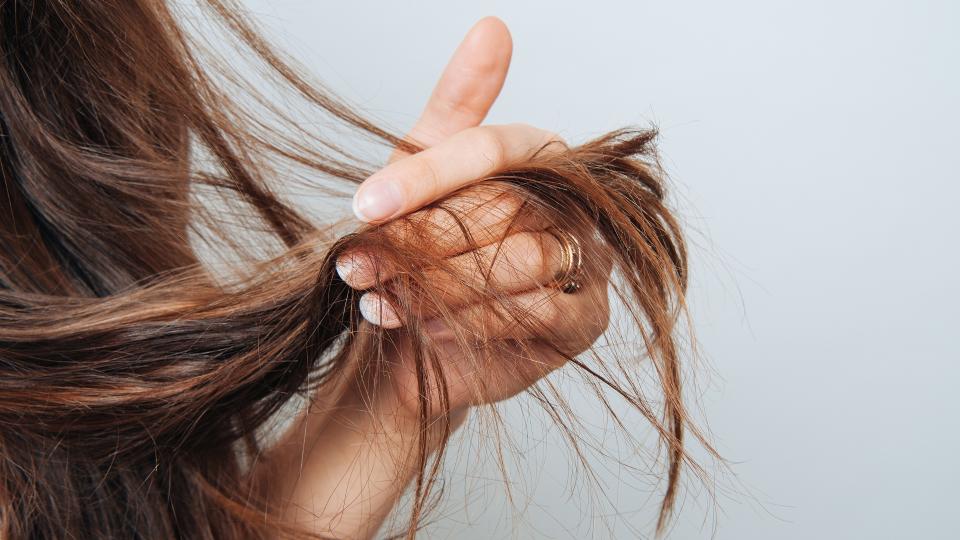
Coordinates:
(571, 262)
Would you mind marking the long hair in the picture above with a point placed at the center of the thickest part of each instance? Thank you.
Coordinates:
(161, 301)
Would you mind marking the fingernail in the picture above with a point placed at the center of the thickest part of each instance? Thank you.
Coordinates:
(352, 268)
(377, 201)
(378, 311)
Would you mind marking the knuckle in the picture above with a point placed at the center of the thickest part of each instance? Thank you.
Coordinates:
(527, 256)
(546, 249)
(552, 137)
(489, 144)
(540, 139)
(489, 202)
(542, 255)
(551, 143)
(460, 107)
(554, 141)
(508, 200)
(441, 225)
(495, 212)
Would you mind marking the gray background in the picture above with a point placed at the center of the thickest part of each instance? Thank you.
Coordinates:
(813, 145)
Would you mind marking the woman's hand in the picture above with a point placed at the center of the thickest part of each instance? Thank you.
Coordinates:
(345, 482)
(520, 262)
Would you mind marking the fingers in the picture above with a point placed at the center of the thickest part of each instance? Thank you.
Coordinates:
(523, 261)
(468, 86)
(467, 157)
(481, 216)
(571, 321)
(517, 268)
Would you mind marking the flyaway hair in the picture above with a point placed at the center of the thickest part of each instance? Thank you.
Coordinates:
(161, 302)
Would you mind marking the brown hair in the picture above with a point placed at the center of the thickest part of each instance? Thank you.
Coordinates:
(147, 334)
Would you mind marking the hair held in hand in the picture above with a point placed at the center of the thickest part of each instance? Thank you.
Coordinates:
(160, 301)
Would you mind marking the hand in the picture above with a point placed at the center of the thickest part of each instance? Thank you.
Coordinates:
(358, 464)
(458, 153)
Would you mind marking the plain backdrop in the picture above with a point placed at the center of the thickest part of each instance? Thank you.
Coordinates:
(813, 147)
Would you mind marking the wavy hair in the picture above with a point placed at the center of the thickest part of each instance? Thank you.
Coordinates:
(161, 301)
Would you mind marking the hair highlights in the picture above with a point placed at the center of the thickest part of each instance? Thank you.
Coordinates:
(133, 377)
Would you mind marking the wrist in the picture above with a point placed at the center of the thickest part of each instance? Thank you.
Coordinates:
(366, 451)
(382, 417)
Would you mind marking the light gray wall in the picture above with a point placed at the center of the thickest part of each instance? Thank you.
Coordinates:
(814, 144)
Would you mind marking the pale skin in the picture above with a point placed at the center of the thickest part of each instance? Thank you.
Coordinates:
(358, 461)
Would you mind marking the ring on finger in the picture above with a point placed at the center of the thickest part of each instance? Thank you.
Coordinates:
(571, 261)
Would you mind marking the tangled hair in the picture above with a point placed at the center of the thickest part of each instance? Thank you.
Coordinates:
(160, 302)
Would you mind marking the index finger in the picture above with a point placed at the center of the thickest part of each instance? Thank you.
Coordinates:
(469, 156)
(468, 86)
